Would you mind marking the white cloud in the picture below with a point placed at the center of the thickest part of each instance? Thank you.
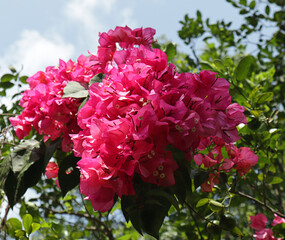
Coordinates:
(83, 12)
(35, 52)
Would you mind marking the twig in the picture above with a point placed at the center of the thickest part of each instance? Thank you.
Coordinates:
(107, 231)
(197, 226)
(260, 203)
(3, 223)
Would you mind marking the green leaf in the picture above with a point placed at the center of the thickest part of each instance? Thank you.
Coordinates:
(206, 66)
(16, 223)
(166, 195)
(202, 202)
(219, 64)
(200, 178)
(7, 77)
(23, 79)
(27, 222)
(75, 90)
(170, 51)
(267, 10)
(264, 97)
(35, 227)
(5, 166)
(243, 2)
(243, 68)
(83, 103)
(68, 173)
(237, 231)
(6, 85)
(97, 78)
(252, 4)
(20, 233)
(28, 162)
(274, 180)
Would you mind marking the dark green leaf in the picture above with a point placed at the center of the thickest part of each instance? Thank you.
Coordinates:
(28, 162)
(267, 10)
(200, 178)
(68, 174)
(23, 79)
(252, 4)
(97, 78)
(6, 85)
(75, 90)
(7, 77)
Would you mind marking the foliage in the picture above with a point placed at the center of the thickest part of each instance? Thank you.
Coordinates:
(257, 83)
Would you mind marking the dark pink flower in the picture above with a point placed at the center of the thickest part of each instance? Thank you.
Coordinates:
(51, 170)
(259, 221)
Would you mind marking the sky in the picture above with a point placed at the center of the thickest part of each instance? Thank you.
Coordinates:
(35, 33)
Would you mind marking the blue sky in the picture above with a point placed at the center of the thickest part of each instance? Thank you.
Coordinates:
(36, 33)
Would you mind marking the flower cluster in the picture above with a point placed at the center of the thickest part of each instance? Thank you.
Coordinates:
(259, 222)
(142, 106)
(241, 159)
(44, 107)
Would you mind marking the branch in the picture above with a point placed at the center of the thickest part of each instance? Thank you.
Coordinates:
(260, 203)
(106, 229)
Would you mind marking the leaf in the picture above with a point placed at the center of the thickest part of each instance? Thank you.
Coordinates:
(264, 97)
(27, 222)
(274, 180)
(252, 4)
(7, 77)
(237, 231)
(200, 178)
(35, 227)
(83, 103)
(202, 202)
(97, 78)
(267, 10)
(6, 85)
(219, 64)
(206, 66)
(23, 79)
(28, 162)
(5, 166)
(75, 90)
(170, 51)
(166, 195)
(68, 173)
(243, 68)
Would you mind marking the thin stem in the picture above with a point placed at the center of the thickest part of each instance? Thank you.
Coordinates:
(260, 203)
(196, 223)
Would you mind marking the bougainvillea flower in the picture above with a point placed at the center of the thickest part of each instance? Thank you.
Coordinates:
(259, 221)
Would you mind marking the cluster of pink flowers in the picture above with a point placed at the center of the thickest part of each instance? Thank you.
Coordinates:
(142, 106)
(44, 107)
(241, 159)
(259, 222)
